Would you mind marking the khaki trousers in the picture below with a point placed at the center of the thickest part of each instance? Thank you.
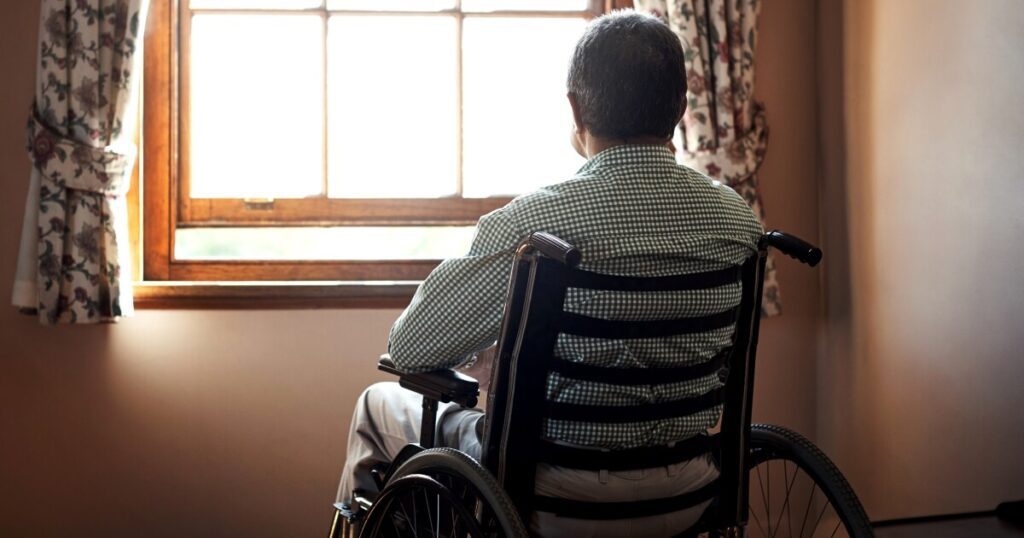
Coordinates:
(387, 417)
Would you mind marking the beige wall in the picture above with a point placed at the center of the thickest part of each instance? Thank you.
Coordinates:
(232, 423)
(920, 384)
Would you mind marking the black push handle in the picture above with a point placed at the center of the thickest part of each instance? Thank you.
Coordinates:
(792, 246)
(555, 248)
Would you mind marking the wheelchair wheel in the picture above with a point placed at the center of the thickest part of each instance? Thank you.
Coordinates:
(442, 492)
(808, 497)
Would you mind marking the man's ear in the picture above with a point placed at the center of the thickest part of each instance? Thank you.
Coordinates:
(577, 117)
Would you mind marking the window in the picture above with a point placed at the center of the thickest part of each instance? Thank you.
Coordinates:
(345, 140)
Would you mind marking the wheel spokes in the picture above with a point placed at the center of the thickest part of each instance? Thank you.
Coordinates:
(821, 513)
(785, 501)
(807, 511)
(446, 514)
(764, 502)
(780, 517)
(768, 500)
(835, 530)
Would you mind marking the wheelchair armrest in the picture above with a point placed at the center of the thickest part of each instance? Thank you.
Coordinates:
(442, 385)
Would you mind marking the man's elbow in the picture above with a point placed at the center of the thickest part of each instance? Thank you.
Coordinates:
(407, 360)
(413, 361)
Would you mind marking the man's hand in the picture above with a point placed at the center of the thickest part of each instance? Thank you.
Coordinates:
(481, 369)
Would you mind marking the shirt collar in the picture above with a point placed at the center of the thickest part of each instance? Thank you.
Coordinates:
(630, 154)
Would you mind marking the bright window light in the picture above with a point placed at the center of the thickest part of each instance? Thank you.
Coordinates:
(392, 112)
(525, 5)
(256, 106)
(391, 5)
(517, 119)
(359, 99)
(330, 243)
(254, 4)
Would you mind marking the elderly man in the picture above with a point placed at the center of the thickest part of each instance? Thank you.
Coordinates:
(631, 210)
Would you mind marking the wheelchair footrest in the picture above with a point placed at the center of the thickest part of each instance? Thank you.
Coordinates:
(347, 521)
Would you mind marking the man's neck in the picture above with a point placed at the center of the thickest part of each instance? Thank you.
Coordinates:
(595, 145)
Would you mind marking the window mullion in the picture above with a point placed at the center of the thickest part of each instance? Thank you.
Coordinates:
(325, 107)
(458, 96)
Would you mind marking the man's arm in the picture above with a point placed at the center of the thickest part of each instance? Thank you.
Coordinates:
(457, 309)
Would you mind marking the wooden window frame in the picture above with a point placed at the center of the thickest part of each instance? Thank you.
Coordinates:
(158, 209)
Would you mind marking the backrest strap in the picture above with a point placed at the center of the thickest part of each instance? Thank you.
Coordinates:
(638, 376)
(580, 325)
(577, 278)
(633, 413)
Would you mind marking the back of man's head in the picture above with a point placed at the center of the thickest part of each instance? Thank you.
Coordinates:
(628, 78)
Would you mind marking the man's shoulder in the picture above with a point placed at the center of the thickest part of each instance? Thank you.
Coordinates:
(555, 193)
(674, 193)
(731, 204)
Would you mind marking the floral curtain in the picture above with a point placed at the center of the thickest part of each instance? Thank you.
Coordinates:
(725, 132)
(73, 264)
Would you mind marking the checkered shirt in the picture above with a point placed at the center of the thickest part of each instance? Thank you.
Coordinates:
(630, 210)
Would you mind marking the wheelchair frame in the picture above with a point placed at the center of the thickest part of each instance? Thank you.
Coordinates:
(536, 288)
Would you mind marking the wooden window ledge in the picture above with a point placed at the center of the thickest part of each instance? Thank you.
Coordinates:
(273, 295)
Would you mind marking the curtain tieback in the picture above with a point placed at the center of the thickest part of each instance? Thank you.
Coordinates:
(739, 160)
(75, 165)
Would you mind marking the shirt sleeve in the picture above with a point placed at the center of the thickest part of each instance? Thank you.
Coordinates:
(457, 309)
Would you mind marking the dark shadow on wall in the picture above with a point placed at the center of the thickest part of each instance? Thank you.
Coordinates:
(842, 421)
(834, 232)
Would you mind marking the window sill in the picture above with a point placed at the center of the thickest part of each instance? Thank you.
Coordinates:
(272, 295)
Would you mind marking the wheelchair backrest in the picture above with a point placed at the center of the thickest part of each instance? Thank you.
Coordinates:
(544, 271)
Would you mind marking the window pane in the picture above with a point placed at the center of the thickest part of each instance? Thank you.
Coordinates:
(256, 121)
(254, 4)
(337, 243)
(516, 117)
(391, 5)
(525, 5)
(392, 106)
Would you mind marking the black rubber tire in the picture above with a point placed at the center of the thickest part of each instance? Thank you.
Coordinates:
(770, 443)
(455, 471)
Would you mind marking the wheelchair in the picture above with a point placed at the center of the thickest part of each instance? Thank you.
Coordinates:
(428, 491)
